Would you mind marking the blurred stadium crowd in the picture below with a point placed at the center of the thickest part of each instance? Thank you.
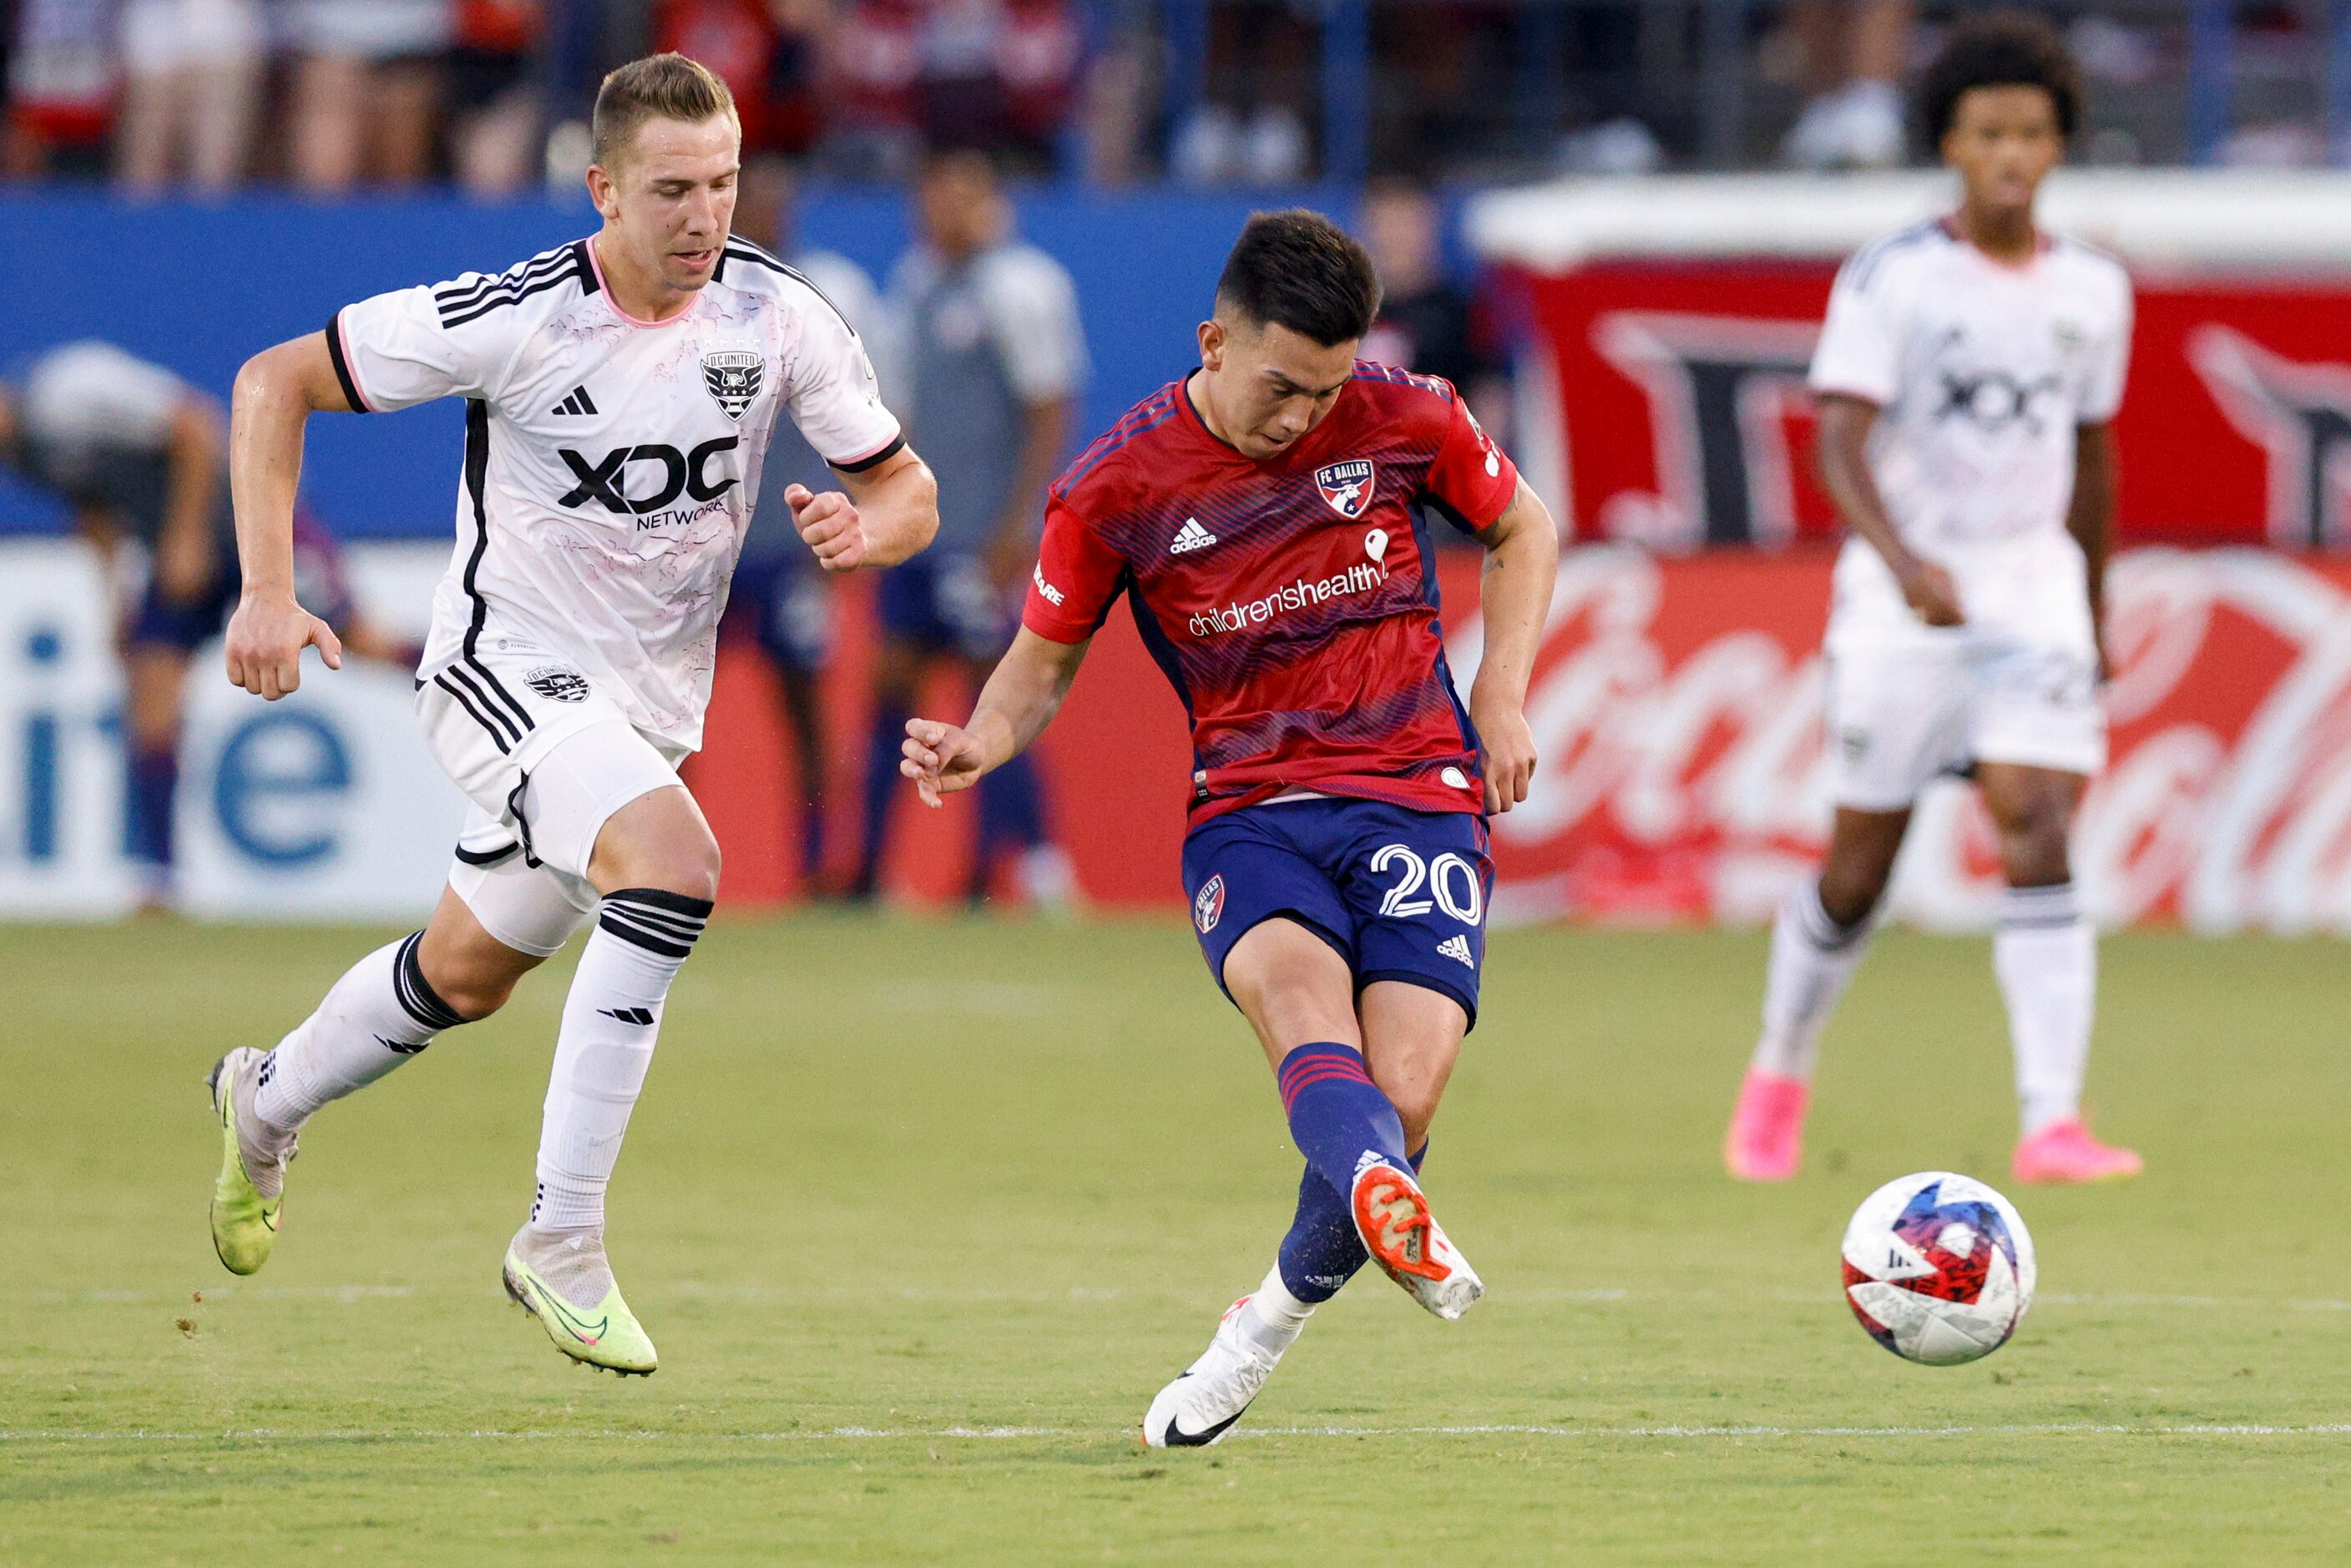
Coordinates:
(328, 96)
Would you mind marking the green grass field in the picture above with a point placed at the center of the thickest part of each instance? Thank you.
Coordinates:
(922, 1213)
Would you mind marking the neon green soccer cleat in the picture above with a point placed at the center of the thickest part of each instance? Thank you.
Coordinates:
(606, 1336)
(244, 1223)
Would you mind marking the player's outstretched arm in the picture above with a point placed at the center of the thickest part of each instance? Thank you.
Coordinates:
(1843, 455)
(888, 513)
(277, 392)
(1018, 701)
(1514, 599)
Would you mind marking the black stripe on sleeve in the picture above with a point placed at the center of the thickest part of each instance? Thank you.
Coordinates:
(862, 464)
(485, 857)
(342, 368)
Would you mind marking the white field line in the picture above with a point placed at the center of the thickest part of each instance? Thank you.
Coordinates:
(354, 1295)
(1004, 1434)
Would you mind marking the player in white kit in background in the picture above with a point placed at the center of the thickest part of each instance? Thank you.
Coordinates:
(1967, 376)
(620, 390)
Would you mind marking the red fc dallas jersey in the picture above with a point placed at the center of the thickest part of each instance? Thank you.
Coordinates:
(1291, 604)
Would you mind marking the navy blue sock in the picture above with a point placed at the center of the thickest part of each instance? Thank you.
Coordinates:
(881, 791)
(812, 839)
(154, 779)
(1011, 818)
(1322, 1252)
(1337, 1114)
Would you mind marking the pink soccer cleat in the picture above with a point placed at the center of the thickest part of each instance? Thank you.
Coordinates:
(2064, 1152)
(1766, 1141)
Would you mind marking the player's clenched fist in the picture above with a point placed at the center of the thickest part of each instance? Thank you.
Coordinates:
(266, 639)
(940, 758)
(1508, 746)
(830, 525)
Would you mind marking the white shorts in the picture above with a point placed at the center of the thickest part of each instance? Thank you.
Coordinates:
(1900, 716)
(371, 30)
(160, 36)
(546, 760)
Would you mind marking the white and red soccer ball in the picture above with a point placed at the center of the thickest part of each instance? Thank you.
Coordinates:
(1938, 1267)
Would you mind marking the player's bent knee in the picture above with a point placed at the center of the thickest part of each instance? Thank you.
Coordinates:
(1850, 898)
(659, 841)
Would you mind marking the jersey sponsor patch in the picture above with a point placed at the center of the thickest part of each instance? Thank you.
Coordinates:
(1208, 908)
(558, 683)
(1347, 487)
(732, 377)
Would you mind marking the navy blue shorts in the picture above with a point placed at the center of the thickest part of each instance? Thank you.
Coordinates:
(788, 607)
(1400, 894)
(944, 602)
(187, 624)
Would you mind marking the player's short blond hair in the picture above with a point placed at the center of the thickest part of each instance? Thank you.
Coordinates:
(659, 87)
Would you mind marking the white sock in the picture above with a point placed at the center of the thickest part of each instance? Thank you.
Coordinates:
(1273, 1317)
(2046, 956)
(610, 1021)
(1812, 960)
(380, 1014)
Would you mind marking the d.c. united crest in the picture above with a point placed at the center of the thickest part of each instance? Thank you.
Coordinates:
(732, 377)
(1347, 485)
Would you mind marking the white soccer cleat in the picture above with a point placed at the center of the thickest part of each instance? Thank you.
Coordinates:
(1405, 1240)
(1200, 1406)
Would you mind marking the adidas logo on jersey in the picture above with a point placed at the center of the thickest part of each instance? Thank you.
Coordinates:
(1458, 947)
(1190, 537)
(578, 402)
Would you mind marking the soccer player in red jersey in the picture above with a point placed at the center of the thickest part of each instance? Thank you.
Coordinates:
(1268, 517)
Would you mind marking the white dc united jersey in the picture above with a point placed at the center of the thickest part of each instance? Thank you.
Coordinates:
(1982, 371)
(609, 463)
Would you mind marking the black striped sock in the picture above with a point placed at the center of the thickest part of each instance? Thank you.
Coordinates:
(655, 919)
(417, 996)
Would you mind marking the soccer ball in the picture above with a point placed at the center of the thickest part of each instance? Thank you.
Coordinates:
(1938, 1267)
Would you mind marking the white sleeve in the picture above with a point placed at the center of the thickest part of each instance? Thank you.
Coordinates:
(413, 345)
(2102, 399)
(1033, 308)
(1860, 348)
(834, 398)
(94, 393)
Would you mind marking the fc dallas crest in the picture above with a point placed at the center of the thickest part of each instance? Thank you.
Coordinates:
(1347, 485)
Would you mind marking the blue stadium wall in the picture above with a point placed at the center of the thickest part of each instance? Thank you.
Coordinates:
(199, 288)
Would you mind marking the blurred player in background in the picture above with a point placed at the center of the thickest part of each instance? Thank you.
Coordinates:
(141, 458)
(1967, 376)
(988, 370)
(1268, 515)
(1427, 322)
(620, 390)
(779, 594)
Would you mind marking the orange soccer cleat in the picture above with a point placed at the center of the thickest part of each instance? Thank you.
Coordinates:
(1405, 1240)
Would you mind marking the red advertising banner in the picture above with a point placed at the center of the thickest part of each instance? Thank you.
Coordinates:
(1678, 704)
(1682, 418)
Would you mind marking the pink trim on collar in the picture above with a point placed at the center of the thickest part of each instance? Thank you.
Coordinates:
(605, 287)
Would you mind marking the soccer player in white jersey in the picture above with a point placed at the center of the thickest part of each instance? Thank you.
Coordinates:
(620, 390)
(1968, 375)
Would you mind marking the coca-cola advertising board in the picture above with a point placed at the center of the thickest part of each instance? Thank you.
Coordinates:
(1678, 390)
(1678, 704)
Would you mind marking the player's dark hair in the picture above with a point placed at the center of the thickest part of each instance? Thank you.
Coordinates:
(2001, 48)
(1304, 272)
(659, 87)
